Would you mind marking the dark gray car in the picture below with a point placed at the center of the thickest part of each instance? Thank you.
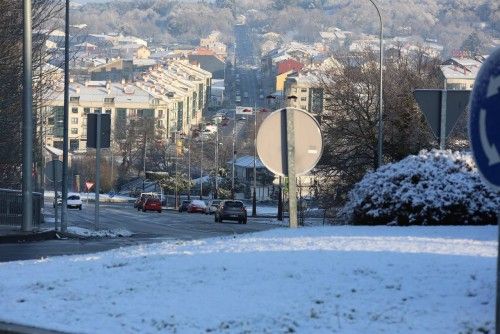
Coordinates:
(231, 210)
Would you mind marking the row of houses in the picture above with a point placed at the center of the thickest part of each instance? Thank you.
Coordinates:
(293, 68)
(174, 96)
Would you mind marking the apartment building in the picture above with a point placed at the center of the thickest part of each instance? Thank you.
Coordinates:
(305, 87)
(173, 96)
(122, 101)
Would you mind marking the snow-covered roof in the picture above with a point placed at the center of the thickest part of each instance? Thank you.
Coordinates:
(457, 72)
(246, 161)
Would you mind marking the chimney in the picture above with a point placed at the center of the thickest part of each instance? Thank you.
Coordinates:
(71, 79)
(77, 89)
(86, 83)
(123, 82)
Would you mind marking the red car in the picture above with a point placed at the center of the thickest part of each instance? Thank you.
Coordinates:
(152, 204)
(196, 206)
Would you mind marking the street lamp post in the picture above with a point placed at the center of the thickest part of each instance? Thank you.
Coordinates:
(280, 194)
(380, 97)
(201, 162)
(216, 191)
(234, 156)
(176, 174)
(254, 197)
(27, 224)
(66, 122)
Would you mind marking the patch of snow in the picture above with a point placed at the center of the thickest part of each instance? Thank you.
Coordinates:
(80, 231)
(341, 279)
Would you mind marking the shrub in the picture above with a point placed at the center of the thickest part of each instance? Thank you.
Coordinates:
(432, 188)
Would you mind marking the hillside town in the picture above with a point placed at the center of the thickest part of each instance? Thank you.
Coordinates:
(250, 166)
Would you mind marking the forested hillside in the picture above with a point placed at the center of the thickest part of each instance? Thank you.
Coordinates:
(449, 22)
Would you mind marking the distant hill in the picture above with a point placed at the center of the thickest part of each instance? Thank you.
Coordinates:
(449, 22)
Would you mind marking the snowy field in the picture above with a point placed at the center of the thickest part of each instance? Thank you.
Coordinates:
(340, 279)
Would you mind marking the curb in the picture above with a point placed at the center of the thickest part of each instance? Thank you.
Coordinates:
(28, 237)
(7, 327)
(39, 236)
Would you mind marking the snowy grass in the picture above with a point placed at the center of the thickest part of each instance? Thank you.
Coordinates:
(340, 279)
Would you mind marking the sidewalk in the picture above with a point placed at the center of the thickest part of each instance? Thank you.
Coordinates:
(13, 234)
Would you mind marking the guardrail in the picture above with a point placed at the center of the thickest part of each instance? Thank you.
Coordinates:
(11, 208)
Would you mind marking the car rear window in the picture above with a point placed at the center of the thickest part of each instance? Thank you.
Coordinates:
(74, 197)
(233, 204)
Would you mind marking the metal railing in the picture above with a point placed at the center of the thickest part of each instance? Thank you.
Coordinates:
(11, 208)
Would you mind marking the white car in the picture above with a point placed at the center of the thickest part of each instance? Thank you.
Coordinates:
(212, 206)
(74, 201)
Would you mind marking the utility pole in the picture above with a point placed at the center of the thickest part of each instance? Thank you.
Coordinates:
(254, 195)
(216, 192)
(97, 167)
(189, 167)
(234, 156)
(176, 174)
(64, 223)
(201, 162)
(27, 224)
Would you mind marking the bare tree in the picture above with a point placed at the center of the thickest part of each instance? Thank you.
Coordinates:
(350, 117)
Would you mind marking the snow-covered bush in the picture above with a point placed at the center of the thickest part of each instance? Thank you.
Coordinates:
(435, 187)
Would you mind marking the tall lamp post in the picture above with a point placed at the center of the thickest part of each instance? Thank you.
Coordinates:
(27, 224)
(176, 173)
(64, 224)
(201, 161)
(280, 194)
(234, 156)
(380, 98)
(254, 196)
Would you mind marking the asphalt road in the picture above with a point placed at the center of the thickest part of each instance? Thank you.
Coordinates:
(147, 227)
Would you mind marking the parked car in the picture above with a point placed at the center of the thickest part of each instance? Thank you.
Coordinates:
(152, 204)
(196, 206)
(139, 202)
(184, 206)
(231, 210)
(212, 206)
(73, 202)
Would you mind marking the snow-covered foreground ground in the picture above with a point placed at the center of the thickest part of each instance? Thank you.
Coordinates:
(322, 280)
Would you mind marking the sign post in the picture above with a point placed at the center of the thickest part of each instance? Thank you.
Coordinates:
(290, 151)
(98, 136)
(484, 125)
(53, 172)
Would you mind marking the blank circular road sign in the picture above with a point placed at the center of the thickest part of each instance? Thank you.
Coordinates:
(271, 141)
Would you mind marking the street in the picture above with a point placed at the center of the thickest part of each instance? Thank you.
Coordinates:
(148, 227)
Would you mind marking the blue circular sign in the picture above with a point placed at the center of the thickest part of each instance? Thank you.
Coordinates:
(484, 122)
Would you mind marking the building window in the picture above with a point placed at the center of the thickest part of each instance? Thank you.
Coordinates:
(97, 110)
(160, 113)
(74, 144)
(108, 111)
(109, 100)
(86, 111)
(74, 99)
(74, 120)
(74, 110)
(74, 131)
(303, 90)
(303, 98)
